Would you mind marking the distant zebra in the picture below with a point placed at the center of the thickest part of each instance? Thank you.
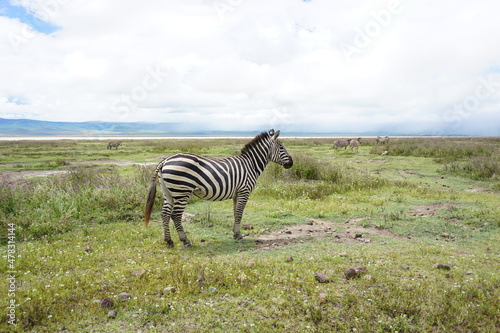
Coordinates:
(341, 144)
(354, 144)
(213, 179)
(382, 140)
(114, 144)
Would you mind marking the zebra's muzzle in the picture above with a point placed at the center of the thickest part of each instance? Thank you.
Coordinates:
(289, 164)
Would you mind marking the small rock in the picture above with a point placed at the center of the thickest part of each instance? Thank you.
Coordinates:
(357, 235)
(250, 264)
(470, 272)
(404, 266)
(361, 269)
(322, 278)
(112, 314)
(168, 290)
(309, 222)
(369, 278)
(289, 259)
(445, 235)
(288, 232)
(107, 303)
(343, 254)
(242, 277)
(442, 266)
(212, 289)
(124, 297)
(350, 273)
(139, 272)
(247, 227)
(88, 248)
(322, 297)
(202, 240)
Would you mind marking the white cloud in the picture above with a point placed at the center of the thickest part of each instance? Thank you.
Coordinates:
(251, 64)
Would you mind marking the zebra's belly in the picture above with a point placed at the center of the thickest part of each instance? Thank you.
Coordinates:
(202, 194)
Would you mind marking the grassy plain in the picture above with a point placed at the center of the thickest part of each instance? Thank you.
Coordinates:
(420, 226)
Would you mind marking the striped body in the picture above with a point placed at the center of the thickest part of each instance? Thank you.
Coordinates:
(382, 140)
(114, 144)
(354, 144)
(214, 179)
(341, 144)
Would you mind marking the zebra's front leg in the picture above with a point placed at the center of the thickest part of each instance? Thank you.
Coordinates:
(239, 203)
(177, 218)
(166, 211)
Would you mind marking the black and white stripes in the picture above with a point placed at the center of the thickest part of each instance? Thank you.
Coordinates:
(213, 179)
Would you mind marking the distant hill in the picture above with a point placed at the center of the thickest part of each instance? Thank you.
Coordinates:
(28, 127)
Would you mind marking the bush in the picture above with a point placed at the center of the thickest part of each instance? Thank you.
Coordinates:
(85, 195)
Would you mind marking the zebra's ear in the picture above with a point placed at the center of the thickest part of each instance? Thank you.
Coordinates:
(271, 132)
(276, 134)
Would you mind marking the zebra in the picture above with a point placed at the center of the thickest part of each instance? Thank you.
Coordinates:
(213, 179)
(341, 144)
(114, 144)
(382, 140)
(354, 144)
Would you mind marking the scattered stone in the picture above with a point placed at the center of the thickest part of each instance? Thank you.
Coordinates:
(470, 272)
(107, 303)
(124, 297)
(445, 235)
(212, 289)
(442, 266)
(169, 290)
(112, 314)
(361, 269)
(404, 266)
(250, 264)
(343, 254)
(288, 232)
(350, 273)
(369, 278)
(322, 278)
(242, 277)
(322, 297)
(289, 259)
(139, 272)
(202, 240)
(357, 235)
(447, 275)
(200, 279)
(88, 248)
(247, 227)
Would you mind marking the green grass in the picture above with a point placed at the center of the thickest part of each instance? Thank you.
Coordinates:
(80, 238)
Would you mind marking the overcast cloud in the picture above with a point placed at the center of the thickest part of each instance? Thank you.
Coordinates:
(415, 67)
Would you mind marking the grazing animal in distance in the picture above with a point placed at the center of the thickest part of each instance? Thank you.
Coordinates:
(213, 179)
(114, 144)
(341, 144)
(382, 140)
(354, 144)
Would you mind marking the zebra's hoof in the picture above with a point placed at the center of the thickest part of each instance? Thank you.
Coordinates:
(170, 244)
(187, 245)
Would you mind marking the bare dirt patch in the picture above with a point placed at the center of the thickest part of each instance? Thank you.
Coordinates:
(429, 210)
(340, 232)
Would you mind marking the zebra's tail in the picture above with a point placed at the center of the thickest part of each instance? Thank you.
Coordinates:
(150, 202)
(151, 195)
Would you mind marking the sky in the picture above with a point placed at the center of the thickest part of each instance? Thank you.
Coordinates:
(316, 66)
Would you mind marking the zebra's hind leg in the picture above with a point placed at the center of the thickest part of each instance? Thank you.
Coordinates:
(177, 218)
(166, 212)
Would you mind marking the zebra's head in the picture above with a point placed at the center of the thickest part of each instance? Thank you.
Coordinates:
(278, 153)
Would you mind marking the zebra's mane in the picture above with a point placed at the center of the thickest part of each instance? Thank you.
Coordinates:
(254, 142)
